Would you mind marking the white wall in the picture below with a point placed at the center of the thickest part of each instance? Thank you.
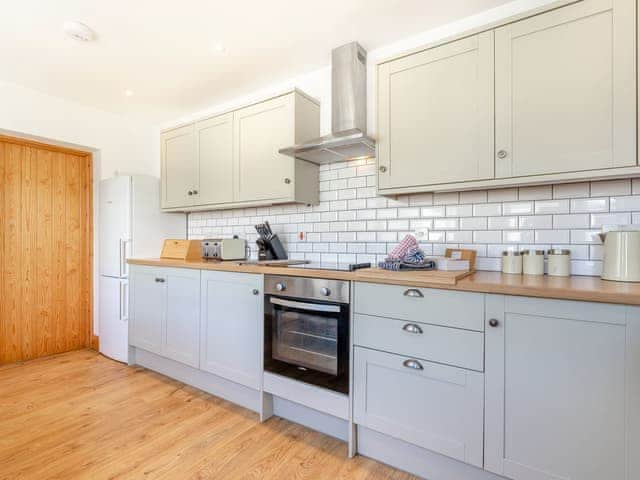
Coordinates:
(119, 144)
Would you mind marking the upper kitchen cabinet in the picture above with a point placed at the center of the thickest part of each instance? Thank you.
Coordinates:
(261, 130)
(435, 115)
(548, 98)
(566, 90)
(214, 158)
(178, 167)
(232, 160)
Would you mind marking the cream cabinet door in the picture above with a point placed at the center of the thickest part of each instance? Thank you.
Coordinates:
(565, 90)
(435, 115)
(214, 156)
(562, 389)
(260, 131)
(178, 167)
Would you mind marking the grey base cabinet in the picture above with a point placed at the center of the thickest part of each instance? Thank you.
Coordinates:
(231, 326)
(434, 406)
(164, 312)
(562, 389)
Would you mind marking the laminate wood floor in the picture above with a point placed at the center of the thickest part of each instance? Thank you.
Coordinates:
(79, 415)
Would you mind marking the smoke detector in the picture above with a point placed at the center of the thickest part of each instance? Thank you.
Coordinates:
(78, 31)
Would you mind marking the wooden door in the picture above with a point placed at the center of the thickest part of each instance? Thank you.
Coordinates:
(260, 131)
(435, 115)
(566, 90)
(181, 328)
(214, 156)
(231, 322)
(178, 167)
(562, 390)
(147, 307)
(46, 250)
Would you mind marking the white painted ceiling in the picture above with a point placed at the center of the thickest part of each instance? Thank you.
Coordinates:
(164, 50)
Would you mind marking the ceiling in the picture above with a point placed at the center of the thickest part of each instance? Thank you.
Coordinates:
(165, 52)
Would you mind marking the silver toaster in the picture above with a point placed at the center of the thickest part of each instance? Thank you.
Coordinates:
(224, 249)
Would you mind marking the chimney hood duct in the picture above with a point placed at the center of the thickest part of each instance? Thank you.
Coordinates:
(348, 139)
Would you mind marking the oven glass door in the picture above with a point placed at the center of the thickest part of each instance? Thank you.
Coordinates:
(308, 341)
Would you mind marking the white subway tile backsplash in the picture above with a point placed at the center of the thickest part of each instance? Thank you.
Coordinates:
(517, 208)
(352, 224)
(535, 222)
(571, 190)
(517, 236)
(552, 236)
(601, 219)
(576, 220)
(421, 199)
(502, 223)
(459, 211)
(538, 192)
(589, 205)
(473, 197)
(503, 195)
(551, 206)
(445, 223)
(474, 223)
(611, 187)
(487, 210)
(433, 212)
(487, 236)
(445, 198)
(625, 204)
(585, 236)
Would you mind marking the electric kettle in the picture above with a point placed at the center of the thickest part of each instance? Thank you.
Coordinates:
(621, 255)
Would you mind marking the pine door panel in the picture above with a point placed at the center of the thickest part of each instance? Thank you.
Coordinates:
(45, 250)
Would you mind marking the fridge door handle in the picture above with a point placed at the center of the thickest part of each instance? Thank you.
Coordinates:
(124, 266)
(124, 300)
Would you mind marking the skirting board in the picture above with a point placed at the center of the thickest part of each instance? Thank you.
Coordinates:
(218, 386)
(416, 460)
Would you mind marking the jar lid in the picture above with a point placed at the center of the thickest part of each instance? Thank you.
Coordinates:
(532, 252)
(510, 253)
(558, 251)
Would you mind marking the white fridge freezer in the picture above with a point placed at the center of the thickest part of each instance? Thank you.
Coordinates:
(131, 224)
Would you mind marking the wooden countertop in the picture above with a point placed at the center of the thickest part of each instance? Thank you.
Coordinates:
(591, 289)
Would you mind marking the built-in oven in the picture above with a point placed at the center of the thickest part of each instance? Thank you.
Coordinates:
(306, 330)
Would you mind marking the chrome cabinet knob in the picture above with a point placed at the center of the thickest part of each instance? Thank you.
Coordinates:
(281, 287)
(195, 192)
(256, 291)
(189, 193)
(413, 292)
(383, 169)
(494, 322)
(413, 364)
(159, 280)
(325, 291)
(412, 328)
(287, 181)
(502, 154)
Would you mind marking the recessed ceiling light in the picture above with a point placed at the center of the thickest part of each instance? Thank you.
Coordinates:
(128, 93)
(78, 31)
(219, 48)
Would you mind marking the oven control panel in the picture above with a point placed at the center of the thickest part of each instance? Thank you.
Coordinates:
(310, 288)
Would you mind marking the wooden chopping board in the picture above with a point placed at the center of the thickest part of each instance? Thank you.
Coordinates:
(410, 277)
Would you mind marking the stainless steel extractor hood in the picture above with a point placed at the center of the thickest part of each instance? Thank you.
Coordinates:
(348, 139)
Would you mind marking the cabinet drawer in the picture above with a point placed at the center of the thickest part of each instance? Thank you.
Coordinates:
(437, 407)
(451, 346)
(424, 305)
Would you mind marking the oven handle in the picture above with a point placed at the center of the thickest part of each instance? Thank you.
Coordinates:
(305, 306)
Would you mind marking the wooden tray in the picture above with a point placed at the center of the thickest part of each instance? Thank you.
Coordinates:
(414, 278)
